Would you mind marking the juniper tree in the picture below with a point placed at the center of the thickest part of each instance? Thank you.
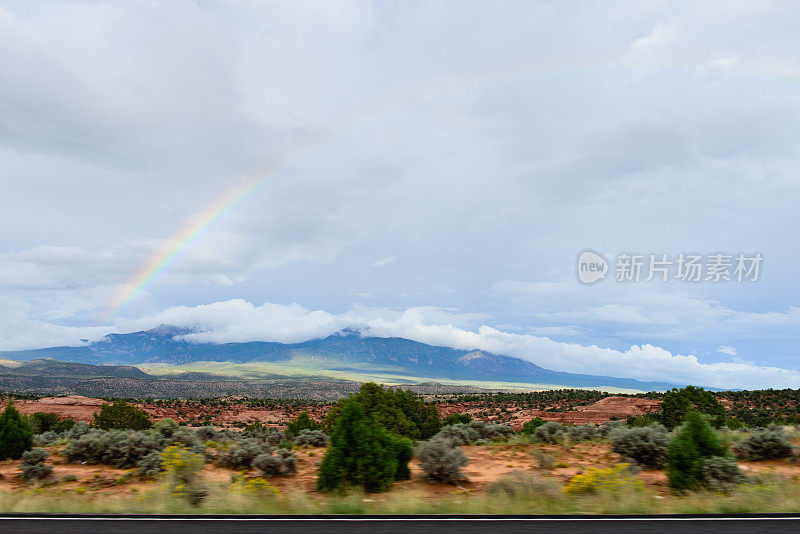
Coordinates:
(16, 435)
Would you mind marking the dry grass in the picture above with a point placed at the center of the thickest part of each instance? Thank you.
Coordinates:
(101, 489)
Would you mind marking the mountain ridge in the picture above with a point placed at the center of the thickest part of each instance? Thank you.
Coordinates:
(345, 349)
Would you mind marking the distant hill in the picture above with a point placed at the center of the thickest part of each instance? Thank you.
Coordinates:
(343, 350)
(54, 368)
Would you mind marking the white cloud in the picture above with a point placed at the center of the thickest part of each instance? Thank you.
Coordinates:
(238, 320)
(388, 260)
(723, 63)
(19, 331)
(727, 350)
(660, 36)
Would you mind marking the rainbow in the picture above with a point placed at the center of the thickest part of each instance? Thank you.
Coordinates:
(182, 239)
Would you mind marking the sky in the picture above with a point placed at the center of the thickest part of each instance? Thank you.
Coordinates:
(281, 170)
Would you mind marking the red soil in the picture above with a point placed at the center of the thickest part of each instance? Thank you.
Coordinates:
(236, 411)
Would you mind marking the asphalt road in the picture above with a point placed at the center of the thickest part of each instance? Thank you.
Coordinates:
(367, 525)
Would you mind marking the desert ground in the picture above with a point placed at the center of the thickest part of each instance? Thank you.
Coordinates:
(236, 411)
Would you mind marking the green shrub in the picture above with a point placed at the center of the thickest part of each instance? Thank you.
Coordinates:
(42, 422)
(531, 426)
(398, 411)
(455, 418)
(207, 433)
(33, 467)
(646, 446)
(311, 438)
(441, 459)
(361, 453)
(550, 432)
(16, 435)
(642, 420)
(166, 427)
(694, 442)
(282, 463)
(679, 402)
(63, 425)
(302, 422)
(764, 445)
(403, 451)
(121, 416)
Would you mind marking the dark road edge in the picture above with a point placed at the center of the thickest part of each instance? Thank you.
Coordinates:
(430, 517)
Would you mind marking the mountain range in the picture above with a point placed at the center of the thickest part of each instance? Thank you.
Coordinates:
(341, 351)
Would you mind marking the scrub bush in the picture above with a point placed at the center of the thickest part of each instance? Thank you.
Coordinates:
(45, 438)
(491, 431)
(764, 445)
(311, 438)
(240, 455)
(550, 432)
(282, 463)
(118, 448)
(150, 466)
(78, 429)
(207, 433)
(720, 473)
(581, 432)
(441, 459)
(646, 445)
(460, 434)
(33, 466)
(606, 428)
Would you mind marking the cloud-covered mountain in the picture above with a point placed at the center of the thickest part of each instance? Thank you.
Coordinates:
(344, 350)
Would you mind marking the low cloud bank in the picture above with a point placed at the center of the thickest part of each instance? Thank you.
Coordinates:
(240, 321)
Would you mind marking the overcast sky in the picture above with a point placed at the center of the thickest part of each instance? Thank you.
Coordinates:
(430, 170)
